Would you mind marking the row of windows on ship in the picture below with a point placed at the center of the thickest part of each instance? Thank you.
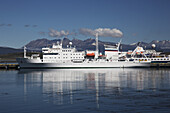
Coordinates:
(59, 54)
(148, 59)
(66, 50)
(62, 57)
(57, 50)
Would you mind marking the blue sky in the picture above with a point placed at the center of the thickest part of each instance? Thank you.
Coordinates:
(22, 21)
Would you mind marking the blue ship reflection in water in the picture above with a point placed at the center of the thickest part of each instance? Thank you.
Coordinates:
(105, 90)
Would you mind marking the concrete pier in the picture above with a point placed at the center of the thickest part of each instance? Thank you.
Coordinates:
(160, 64)
(8, 66)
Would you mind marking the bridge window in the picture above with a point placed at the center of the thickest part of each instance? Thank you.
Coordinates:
(50, 53)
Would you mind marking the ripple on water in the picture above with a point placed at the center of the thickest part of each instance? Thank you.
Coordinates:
(78, 91)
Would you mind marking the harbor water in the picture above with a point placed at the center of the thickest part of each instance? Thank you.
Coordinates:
(129, 90)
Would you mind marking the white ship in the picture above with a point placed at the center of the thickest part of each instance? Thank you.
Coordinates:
(59, 57)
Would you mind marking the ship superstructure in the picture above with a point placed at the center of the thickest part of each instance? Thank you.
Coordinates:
(58, 54)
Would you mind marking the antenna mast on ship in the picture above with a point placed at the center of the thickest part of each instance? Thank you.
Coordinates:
(25, 52)
(119, 44)
(61, 42)
(97, 47)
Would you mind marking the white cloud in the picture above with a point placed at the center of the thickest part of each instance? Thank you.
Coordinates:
(55, 33)
(103, 32)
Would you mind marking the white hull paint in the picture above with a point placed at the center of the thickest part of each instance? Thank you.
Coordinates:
(92, 64)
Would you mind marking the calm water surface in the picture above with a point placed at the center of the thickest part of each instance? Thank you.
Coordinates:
(81, 90)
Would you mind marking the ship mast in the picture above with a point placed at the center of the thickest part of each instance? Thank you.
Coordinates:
(25, 52)
(97, 47)
(119, 44)
(61, 42)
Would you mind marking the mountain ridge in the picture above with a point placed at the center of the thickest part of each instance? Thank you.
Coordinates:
(87, 44)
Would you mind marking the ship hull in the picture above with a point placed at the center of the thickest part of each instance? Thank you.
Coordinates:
(29, 64)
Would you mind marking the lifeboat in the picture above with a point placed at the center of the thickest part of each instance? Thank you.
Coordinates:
(90, 54)
(129, 53)
(138, 53)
